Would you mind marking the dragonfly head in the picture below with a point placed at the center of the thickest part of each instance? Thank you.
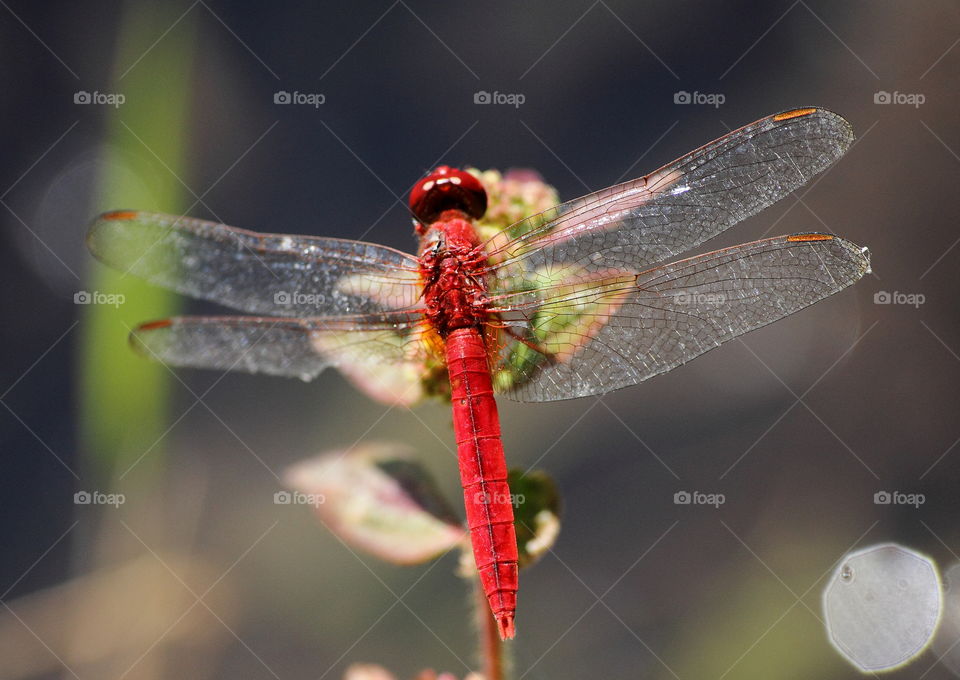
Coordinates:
(447, 188)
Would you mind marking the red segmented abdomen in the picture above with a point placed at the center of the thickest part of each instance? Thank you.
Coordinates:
(483, 472)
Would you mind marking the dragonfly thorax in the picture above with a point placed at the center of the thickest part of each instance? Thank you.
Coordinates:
(454, 293)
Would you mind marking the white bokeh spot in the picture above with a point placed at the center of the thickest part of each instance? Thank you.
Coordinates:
(946, 643)
(882, 606)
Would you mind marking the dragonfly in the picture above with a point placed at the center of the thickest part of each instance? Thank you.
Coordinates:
(584, 298)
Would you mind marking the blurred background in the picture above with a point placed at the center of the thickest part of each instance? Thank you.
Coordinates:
(199, 574)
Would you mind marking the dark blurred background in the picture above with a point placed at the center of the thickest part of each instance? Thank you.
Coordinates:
(798, 426)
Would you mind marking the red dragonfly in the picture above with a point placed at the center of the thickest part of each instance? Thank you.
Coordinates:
(582, 299)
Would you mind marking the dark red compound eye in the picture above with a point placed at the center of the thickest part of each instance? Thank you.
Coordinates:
(447, 188)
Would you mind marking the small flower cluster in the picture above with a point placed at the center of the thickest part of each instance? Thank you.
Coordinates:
(512, 197)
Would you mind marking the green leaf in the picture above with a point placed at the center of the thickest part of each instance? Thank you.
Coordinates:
(536, 513)
(377, 498)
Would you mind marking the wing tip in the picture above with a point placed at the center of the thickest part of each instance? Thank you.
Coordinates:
(832, 124)
(817, 111)
(136, 340)
(98, 224)
(861, 253)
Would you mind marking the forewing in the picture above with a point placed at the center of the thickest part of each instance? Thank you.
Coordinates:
(385, 357)
(580, 337)
(637, 224)
(270, 274)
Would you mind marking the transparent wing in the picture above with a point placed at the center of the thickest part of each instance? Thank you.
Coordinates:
(580, 335)
(637, 224)
(269, 274)
(385, 357)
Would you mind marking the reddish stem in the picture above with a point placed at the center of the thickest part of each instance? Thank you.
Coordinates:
(491, 646)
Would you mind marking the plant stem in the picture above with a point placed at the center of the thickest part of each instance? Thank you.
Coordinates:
(491, 647)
